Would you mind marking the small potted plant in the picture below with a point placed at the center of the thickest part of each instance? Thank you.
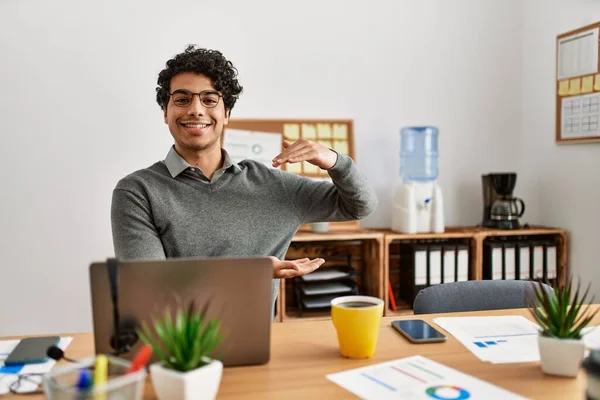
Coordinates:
(561, 315)
(183, 344)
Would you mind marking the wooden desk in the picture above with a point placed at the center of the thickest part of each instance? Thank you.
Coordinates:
(303, 353)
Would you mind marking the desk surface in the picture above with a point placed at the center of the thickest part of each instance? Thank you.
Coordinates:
(302, 353)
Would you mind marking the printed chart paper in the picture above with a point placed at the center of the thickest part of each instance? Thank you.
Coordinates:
(499, 340)
(416, 377)
(249, 145)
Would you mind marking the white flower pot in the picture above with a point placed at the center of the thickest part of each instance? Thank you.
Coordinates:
(562, 357)
(201, 383)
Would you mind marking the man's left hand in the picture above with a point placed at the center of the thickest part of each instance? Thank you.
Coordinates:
(292, 268)
(306, 150)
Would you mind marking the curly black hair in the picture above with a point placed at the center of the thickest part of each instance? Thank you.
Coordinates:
(210, 63)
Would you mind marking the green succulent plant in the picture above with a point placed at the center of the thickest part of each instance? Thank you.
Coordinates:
(561, 314)
(183, 337)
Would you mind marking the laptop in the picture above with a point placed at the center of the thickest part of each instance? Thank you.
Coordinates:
(238, 291)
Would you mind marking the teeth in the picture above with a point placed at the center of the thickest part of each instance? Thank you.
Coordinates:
(195, 126)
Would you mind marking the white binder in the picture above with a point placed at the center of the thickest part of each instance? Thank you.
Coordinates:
(509, 262)
(538, 260)
(551, 268)
(449, 255)
(462, 260)
(435, 265)
(524, 254)
(421, 267)
(496, 262)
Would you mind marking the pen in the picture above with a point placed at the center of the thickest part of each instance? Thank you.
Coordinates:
(100, 373)
(140, 359)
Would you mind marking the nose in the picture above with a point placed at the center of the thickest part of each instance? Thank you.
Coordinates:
(196, 107)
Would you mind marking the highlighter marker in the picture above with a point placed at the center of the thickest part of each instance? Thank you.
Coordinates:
(100, 375)
(140, 359)
(85, 380)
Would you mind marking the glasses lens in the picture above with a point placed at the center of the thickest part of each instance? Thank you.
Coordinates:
(182, 99)
(209, 99)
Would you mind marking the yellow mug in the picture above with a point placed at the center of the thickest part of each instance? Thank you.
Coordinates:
(357, 320)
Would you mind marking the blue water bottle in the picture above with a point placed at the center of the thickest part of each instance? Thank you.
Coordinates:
(419, 153)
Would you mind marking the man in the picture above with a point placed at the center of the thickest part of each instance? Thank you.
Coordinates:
(197, 203)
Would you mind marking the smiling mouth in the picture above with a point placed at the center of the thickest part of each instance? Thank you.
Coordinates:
(196, 126)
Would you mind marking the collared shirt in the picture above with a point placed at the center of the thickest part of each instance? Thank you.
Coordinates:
(177, 165)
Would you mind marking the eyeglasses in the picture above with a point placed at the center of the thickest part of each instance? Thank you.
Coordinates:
(23, 384)
(183, 98)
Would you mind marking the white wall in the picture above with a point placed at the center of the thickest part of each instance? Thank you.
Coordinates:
(559, 183)
(77, 110)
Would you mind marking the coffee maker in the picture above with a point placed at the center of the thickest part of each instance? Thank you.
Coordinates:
(501, 210)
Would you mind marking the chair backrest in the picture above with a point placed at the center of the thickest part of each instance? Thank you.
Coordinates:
(474, 296)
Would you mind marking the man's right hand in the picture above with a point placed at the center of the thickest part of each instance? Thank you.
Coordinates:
(292, 268)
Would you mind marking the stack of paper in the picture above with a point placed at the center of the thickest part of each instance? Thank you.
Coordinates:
(416, 377)
(591, 337)
(34, 372)
(502, 339)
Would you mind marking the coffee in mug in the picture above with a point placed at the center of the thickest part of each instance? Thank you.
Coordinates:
(356, 304)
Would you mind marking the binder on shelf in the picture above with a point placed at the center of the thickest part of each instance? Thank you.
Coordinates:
(434, 252)
(492, 259)
(537, 260)
(462, 262)
(523, 257)
(449, 263)
(391, 295)
(509, 260)
(419, 265)
(550, 260)
(414, 271)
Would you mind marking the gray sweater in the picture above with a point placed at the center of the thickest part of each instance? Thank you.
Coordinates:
(171, 209)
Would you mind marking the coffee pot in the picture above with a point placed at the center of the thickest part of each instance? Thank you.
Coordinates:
(501, 209)
(507, 208)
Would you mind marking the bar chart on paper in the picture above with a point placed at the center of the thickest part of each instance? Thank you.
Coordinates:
(489, 343)
(499, 340)
(416, 377)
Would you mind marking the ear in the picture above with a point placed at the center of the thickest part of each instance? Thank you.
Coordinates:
(165, 115)
(226, 119)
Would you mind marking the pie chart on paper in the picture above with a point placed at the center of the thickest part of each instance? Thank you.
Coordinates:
(447, 392)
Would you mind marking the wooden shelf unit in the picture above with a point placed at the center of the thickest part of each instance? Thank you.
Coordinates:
(474, 236)
(374, 264)
(366, 250)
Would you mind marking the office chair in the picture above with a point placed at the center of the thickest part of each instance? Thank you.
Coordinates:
(474, 296)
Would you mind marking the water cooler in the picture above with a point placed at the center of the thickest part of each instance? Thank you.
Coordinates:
(418, 204)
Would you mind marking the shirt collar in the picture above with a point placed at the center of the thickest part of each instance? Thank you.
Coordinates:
(176, 164)
(228, 162)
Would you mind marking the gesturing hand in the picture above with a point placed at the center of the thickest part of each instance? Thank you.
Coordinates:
(306, 150)
(291, 268)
